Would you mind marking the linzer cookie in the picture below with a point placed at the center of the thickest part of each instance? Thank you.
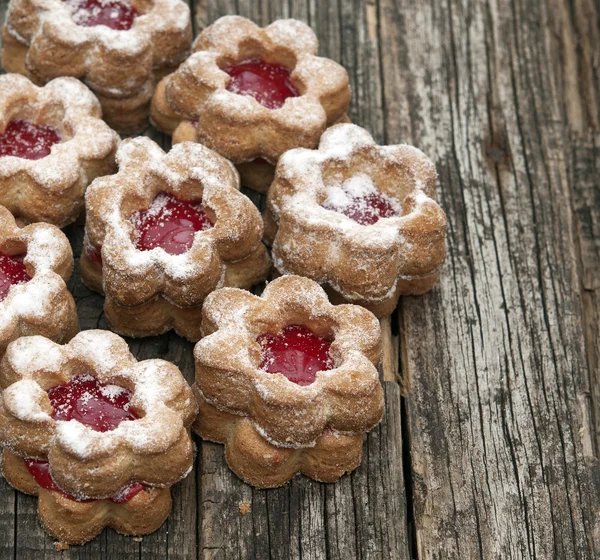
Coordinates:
(358, 218)
(97, 436)
(252, 93)
(119, 47)
(164, 232)
(35, 263)
(287, 381)
(53, 144)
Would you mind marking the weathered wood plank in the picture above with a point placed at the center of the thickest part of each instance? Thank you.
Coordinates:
(494, 356)
(586, 204)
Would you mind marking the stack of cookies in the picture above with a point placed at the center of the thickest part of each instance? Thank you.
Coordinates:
(287, 381)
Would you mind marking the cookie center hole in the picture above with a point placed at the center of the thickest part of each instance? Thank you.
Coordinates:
(12, 272)
(100, 406)
(360, 200)
(296, 352)
(268, 83)
(169, 223)
(116, 14)
(24, 139)
(40, 471)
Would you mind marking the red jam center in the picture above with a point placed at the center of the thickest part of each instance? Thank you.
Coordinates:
(40, 471)
(99, 406)
(296, 352)
(169, 223)
(116, 14)
(368, 210)
(268, 83)
(12, 271)
(360, 200)
(27, 140)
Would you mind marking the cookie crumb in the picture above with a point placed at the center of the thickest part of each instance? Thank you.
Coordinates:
(137, 539)
(61, 545)
(244, 507)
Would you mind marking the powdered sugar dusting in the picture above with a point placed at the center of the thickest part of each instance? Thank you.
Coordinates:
(22, 400)
(46, 247)
(82, 441)
(31, 354)
(104, 351)
(359, 199)
(112, 391)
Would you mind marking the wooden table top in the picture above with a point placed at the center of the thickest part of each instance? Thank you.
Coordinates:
(490, 442)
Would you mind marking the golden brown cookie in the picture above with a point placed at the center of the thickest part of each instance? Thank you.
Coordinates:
(148, 289)
(53, 144)
(358, 218)
(287, 381)
(206, 100)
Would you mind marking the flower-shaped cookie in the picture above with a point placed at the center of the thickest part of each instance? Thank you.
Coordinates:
(99, 418)
(76, 522)
(325, 386)
(53, 145)
(149, 290)
(119, 48)
(357, 217)
(252, 93)
(35, 263)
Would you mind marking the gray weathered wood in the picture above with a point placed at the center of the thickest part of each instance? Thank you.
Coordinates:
(498, 408)
(586, 203)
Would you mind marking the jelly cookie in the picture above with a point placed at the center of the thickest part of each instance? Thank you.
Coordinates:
(357, 217)
(53, 144)
(88, 422)
(35, 263)
(252, 93)
(164, 232)
(287, 381)
(120, 48)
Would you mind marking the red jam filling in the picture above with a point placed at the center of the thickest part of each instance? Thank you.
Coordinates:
(27, 140)
(94, 253)
(269, 84)
(359, 199)
(169, 223)
(116, 14)
(368, 210)
(40, 471)
(99, 406)
(12, 272)
(296, 352)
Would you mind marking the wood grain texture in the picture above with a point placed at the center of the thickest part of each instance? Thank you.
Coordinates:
(499, 409)
(492, 386)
